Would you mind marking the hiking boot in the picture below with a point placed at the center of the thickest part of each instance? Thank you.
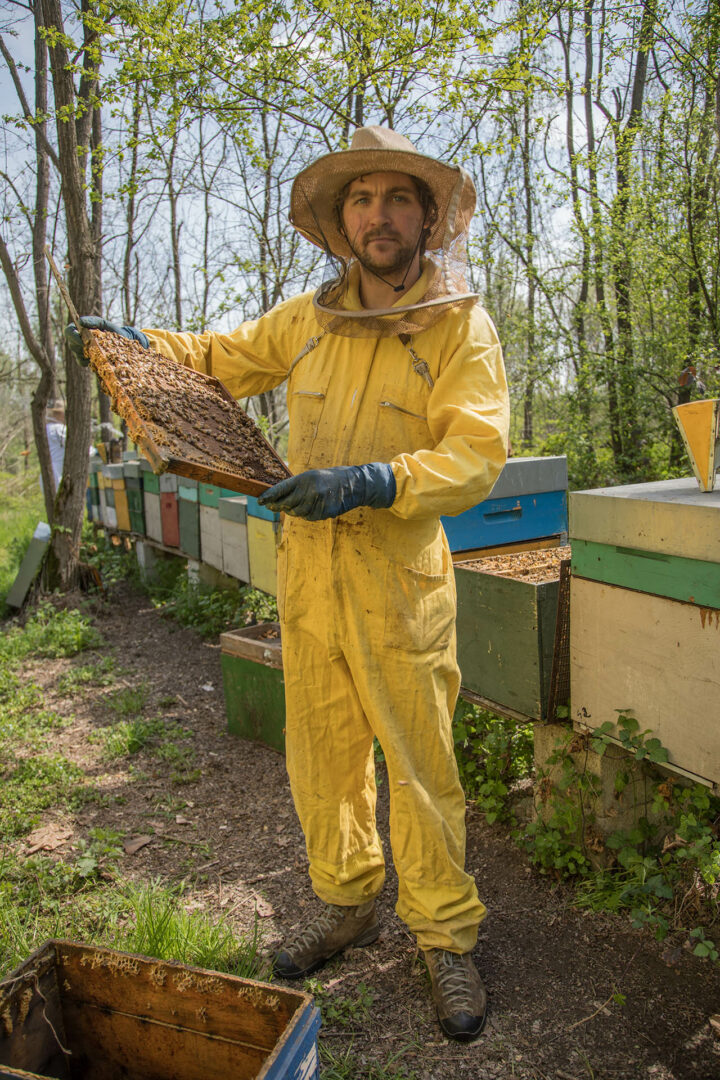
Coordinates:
(458, 993)
(329, 933)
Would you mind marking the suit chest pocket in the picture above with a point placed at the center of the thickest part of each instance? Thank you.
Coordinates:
(305, 407)
(401, 423)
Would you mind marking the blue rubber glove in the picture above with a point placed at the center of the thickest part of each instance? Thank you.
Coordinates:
(326, 493)
(93, 322)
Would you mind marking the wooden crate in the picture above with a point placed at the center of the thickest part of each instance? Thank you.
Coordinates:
(210, 538)
(652, 655)
(263, 539)
(73, 1011)
(234, 536)
(505, 639)
(253, 684)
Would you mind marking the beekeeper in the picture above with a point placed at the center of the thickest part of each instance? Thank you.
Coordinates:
(398, 413)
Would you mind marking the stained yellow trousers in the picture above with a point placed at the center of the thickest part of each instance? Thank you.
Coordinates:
(369, 650)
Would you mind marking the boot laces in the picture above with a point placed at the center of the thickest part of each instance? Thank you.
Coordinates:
(453, 982)
(316, 930)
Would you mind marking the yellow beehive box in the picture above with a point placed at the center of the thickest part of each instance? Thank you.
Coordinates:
(263, 539)
(654, 657)
(122, 510)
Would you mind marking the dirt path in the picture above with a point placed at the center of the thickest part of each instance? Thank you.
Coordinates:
(573, 995)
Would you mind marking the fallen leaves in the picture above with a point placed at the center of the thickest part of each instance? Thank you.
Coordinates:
(47, 838)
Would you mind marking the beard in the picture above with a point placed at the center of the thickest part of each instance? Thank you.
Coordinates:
(394, 259)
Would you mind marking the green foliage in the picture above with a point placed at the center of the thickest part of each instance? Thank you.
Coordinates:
(127, 701)
(101, 673)
(492, 753)
(160, 926)
(21, 508)
(339, 1011)
(211, 611)
(661, 871)
(49, 632)
(31, 785)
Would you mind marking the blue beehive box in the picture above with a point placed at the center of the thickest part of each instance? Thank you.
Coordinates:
(254, 509)
(125, 1015)
(528, 502)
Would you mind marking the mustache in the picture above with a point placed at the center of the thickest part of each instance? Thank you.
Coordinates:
(380, 234)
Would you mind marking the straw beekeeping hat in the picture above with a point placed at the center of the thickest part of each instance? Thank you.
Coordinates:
(315, 213)
(377, 149)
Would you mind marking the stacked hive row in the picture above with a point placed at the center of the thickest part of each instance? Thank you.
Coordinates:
(231, 533)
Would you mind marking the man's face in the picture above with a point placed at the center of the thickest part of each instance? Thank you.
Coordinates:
(383, 219)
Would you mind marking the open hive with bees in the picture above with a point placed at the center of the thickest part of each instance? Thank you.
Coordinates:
(184, 421)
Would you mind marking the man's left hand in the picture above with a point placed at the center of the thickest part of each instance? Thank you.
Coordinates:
(326, 493)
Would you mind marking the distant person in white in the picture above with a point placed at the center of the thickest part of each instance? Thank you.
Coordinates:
(56, 436)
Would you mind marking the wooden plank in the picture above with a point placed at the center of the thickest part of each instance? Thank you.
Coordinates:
(32, 561)
(109, 1044)
(32, 1026)
(691, 580)
(656, 656)
(236, 557)
(251, 643)
(509, 549)
(176, 995)
(670, 516)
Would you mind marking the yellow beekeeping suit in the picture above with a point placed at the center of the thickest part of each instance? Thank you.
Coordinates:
(367, 600)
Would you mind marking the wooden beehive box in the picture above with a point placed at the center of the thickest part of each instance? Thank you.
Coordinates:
(76, 1012)
(506, 620)
(528, 503)
(645, 628)
(234, 537)
(184, 421)
(251, 659)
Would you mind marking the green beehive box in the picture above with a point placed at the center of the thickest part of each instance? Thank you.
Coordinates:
(209, 494)
(254, 685)
(506, 637)
(189, 525)
(187, 489)
(151, 481)
(137, 522)
(135, 501)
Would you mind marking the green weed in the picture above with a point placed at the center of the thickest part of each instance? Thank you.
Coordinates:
(127, 737)
(160, 926)
(49, 632)
(338, 1011)
(31, 785)
(101, 673)
(21, 508)
(492, 753)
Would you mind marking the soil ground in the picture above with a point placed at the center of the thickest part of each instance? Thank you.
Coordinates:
(554, 974)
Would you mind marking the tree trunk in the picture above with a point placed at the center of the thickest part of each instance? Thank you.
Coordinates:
(62, 565)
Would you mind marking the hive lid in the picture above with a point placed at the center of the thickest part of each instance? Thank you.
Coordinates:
(530, 476)
(671, 517)
(183, 421)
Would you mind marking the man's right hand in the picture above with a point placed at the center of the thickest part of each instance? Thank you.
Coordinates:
(93, 322)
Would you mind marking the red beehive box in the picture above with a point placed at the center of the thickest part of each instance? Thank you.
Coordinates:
(169, 518)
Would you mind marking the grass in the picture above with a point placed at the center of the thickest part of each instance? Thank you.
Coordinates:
(21, 508)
